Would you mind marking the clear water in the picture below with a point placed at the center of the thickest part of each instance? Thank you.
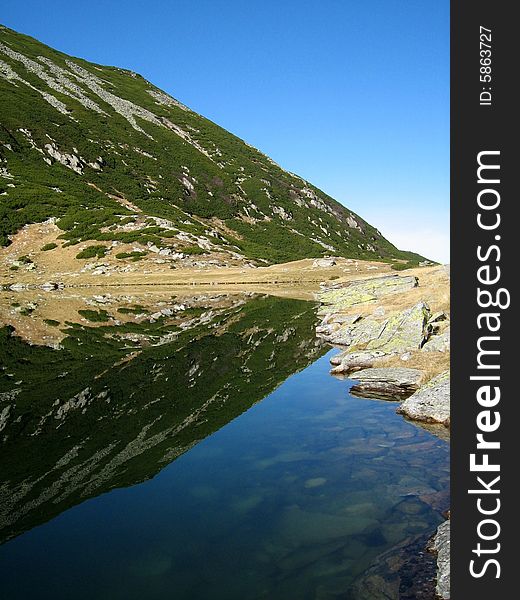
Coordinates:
(291, 500)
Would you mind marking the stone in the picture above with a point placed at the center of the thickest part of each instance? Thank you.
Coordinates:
(441, 546)
(404, 571)
(400, 333)
(337, 358)
(361, 332)
(315, 482)
(367, 290)
(354, 361)
(70, 161)
(386, 383)
(407, 330)
(438, 343)
(337, 329)
(324, 262)
(18, 287)
(431, 403)
(343, 319)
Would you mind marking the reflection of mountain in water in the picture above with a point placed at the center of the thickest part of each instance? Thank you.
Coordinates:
(119, 402)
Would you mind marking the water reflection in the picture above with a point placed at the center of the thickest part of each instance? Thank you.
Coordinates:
(298, 497)
(129, 387)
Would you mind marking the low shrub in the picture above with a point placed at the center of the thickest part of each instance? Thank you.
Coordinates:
(49, 246)
(93, 251)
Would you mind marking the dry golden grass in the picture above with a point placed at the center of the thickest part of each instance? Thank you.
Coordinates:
(430, 363)
(433, 288)
(62, 265)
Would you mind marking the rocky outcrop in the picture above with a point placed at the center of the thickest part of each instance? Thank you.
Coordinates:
(370, 338)
(431, 403)
(367, 290)
(392, 383)
(441, 546)
(402, 332)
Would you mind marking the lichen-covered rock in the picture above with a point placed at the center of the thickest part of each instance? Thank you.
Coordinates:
(351, 332)
(404, 331)
(360, 333)
(386, 383)
(431, 403)
(438, 343)
(399, 333)
(441, 545)
(367, 290)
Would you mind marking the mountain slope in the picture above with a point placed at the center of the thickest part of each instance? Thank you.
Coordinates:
(118, 161)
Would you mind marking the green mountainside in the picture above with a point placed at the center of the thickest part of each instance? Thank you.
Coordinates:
(115, 159)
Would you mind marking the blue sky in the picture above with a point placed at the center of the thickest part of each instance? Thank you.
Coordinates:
(351, 95)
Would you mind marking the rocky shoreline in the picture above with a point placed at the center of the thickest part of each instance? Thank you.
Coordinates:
(396, 348)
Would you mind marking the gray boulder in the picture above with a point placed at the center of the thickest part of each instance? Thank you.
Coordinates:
(431, 403)
(336, 325)
(324, 262)
(337, 358)
(438, 343)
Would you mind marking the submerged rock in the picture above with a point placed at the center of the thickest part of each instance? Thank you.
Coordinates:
(405, 572)
(431, 403)
(390, 383)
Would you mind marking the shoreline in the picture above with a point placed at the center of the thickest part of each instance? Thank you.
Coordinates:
(392, 333)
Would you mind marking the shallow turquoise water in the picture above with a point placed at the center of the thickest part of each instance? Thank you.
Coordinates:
(291, 500)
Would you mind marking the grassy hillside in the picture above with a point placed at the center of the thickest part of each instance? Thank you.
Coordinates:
(115, 159)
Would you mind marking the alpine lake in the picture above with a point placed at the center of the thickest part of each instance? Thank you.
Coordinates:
(193, 446)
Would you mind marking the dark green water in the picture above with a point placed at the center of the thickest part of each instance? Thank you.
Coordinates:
(223, 464)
